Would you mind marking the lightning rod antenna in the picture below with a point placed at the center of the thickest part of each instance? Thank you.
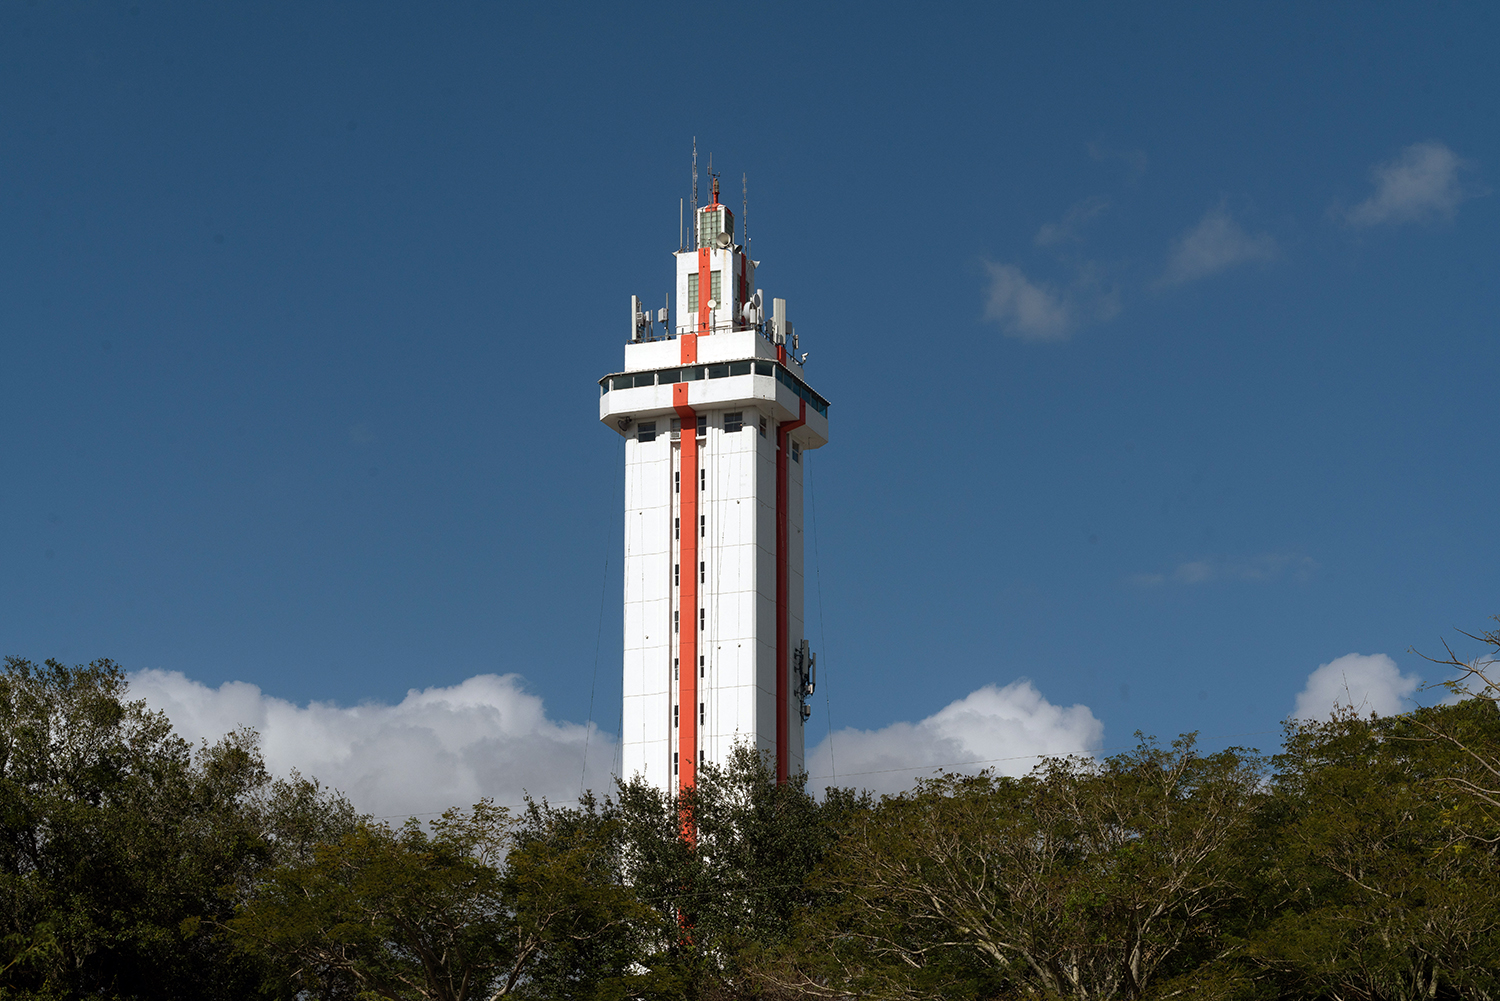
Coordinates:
(745, 211)
(679, 225)
(695, 192)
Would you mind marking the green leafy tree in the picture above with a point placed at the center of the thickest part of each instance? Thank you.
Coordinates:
(122, 851)
(730, 897)
(1085, 879)
(1379, 887)
(392, 913)
(484, 905)
(1475, 678)
(588, 932)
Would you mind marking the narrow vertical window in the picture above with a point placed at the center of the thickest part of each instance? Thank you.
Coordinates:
(700, 714)
(674, 668)
(674, 716)
(675, 620)
(702, 573)
(703, 526)
(702, 425)
(674, 762)
(702, 479)
(676, 575)
(677, 482)
(796, 452)
(700, 666)
(693, 292)
(676, 528)
(715, 283)
(762, 427)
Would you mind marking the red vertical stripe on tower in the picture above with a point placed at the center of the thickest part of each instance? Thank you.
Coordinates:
(705, 290)
(783, 608)
(687, 627)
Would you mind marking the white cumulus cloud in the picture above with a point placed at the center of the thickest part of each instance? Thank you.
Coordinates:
(1033, 311)
(1419, 185)
(436, 748)
(1005, 729)
(1069, 228)
(1217, 242)
(1367, 683)
(1024, 308)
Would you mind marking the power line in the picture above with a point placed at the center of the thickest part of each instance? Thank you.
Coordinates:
(822, 625)
(598, 637)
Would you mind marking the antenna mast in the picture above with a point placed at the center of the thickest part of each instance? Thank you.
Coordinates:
(745, 211)
(695, 192)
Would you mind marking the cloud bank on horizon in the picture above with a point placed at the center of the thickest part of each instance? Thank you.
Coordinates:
(487, 736)
(436, 748)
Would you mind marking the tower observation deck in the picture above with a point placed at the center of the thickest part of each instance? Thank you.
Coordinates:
(716, 414)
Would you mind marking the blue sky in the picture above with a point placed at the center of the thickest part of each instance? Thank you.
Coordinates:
(1159, 338)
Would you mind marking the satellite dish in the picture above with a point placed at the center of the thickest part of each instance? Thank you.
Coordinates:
(723, 240)
(713, 304)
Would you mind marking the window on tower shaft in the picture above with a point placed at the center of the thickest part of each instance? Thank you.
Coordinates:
(645, 431)
(715, 285)
(692, 296)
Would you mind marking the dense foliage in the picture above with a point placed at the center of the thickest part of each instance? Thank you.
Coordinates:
(123, 850)
(1359, 863)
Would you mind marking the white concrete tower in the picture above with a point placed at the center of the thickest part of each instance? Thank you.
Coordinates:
(715, 414)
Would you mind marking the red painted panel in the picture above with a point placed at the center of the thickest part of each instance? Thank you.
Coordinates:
(687, 627)
(705, 289)
(783, 611)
